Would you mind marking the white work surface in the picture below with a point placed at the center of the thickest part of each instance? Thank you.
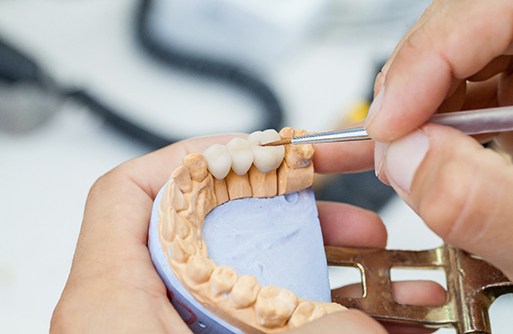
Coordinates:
(45, 174)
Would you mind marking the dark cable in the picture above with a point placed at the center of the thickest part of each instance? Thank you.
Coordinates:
(18, 67)
(122, 124)
(15, 66)
(217, 70)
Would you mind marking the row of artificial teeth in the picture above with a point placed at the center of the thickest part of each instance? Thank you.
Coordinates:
(273, 306)
(239, 154)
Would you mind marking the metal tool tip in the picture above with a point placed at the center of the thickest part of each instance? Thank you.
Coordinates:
(284, 141)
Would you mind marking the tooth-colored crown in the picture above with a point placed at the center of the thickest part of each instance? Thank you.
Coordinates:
(241, 168)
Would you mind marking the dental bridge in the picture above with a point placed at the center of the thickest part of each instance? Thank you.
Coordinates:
(243, 168)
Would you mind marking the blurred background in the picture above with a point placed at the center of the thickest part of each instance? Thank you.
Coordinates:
(86, 85)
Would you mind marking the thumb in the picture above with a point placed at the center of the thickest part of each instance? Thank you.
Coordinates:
(350, 321)
(463, 192)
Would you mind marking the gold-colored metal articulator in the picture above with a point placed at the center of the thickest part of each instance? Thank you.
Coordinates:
(472, 286)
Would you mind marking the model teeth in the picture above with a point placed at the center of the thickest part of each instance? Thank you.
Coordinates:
(245, 291)
(182, 178)
(222, 280)
(182, 250)
(239, 154)
(242, 155)
(306, 312)
(219, 160)
(274, 306)
(199, 269)
(266, 158)
(197, 165)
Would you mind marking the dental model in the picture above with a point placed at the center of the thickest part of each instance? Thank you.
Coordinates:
(240, 169)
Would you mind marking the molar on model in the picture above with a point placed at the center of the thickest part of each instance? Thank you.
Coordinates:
(222, 280)
(245, 291)
(274, 306)
(306, 312)
(199, 269)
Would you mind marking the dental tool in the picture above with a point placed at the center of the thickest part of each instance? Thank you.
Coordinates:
(470, 122)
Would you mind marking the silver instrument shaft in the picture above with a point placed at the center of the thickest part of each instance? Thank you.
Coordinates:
(469, 122)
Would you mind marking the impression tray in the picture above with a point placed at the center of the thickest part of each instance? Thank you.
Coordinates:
(236, 239)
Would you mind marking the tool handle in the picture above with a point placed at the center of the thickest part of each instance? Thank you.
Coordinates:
(478, 121)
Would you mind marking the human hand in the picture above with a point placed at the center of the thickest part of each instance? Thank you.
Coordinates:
(458, 56)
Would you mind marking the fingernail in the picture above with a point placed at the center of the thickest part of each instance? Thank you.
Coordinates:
(403, 157)
(375, 106)
(379, 153)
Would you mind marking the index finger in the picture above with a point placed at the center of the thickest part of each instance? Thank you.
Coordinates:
(454, 43)
(344, 157)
